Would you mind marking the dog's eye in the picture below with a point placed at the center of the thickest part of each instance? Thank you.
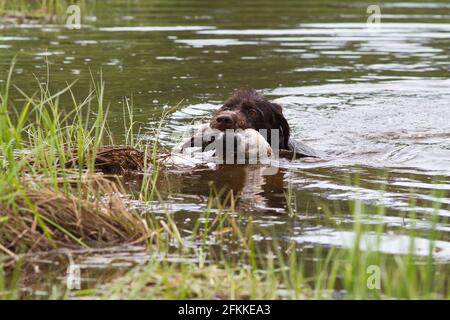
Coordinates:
(252, 112)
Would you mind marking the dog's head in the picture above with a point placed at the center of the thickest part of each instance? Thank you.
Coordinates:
(248, 109)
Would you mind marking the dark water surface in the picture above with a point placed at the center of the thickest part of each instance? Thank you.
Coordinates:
(374, 102)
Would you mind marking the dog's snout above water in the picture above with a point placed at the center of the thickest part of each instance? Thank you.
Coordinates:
(225, 119)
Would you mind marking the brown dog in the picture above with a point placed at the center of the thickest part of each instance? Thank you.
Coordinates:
(247, 109)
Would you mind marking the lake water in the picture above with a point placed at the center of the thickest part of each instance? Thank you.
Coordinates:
(374, 102)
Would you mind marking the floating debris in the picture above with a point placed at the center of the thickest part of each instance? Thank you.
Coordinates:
(112, 160)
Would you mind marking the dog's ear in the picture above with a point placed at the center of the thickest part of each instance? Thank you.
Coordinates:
(282, 125)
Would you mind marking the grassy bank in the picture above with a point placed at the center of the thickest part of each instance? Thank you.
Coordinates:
(54, 194)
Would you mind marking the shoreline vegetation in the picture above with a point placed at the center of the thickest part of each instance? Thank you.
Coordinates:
(60, 186)
(59, 182)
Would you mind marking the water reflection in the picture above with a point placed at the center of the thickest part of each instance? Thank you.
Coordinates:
(254, 190)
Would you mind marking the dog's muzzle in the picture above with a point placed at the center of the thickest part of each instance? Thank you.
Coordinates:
(225, 120)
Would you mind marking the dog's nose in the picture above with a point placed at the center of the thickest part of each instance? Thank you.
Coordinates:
(224, 119)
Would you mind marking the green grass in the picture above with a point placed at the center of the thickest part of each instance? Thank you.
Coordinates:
(268, 272)
(38, 135)
(37, 141)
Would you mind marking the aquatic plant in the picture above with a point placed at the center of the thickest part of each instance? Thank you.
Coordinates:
(270, 270)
